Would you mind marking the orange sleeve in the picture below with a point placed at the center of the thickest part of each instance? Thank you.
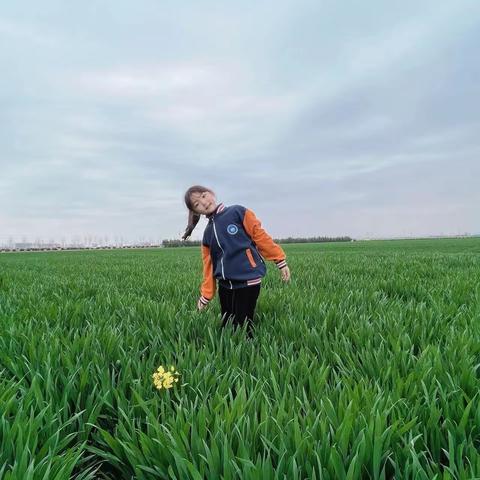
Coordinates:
(207, 290)
(264, 242)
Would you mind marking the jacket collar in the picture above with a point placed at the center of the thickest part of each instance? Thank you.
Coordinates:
(220, 208)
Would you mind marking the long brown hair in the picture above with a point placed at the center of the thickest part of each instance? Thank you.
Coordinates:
(193, 217)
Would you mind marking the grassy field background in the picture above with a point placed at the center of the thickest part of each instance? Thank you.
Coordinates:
(367, 365)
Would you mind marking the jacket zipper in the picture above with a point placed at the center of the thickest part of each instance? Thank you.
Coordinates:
(223, 253)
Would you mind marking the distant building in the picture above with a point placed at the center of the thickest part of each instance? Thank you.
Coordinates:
(36, 246)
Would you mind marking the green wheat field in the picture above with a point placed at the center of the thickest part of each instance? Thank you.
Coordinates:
(365, 366)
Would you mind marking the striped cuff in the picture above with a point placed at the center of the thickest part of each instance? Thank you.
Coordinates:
(204, 300)
(281, 264)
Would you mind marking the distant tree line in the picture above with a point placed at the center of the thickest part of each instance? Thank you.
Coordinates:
(181, 243)
(165, 243)
(313, 239)
(196, 243)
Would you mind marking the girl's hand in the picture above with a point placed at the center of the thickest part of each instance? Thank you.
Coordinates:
(285, 273)
(200, 305)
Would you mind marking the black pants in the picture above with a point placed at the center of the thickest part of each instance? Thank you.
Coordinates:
(238, 306)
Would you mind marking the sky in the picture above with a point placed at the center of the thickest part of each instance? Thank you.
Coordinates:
(325, 118)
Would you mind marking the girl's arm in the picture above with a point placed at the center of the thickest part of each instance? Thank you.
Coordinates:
(264, 242)
(207, 290)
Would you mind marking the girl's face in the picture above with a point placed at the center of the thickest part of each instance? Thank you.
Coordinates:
(203, 203)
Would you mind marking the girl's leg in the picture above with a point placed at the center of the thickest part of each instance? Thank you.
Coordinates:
(244, 303)
(226, 303)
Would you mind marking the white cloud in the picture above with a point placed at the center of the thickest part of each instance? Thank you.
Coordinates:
(151, 81)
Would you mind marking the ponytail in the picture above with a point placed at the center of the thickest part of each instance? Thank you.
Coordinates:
(193, 219)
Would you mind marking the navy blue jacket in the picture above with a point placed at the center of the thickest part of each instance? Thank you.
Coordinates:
(234, 247)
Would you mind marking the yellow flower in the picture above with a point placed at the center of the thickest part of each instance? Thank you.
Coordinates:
(165, 379)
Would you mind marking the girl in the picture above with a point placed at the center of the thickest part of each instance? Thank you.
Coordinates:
(234, 246)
